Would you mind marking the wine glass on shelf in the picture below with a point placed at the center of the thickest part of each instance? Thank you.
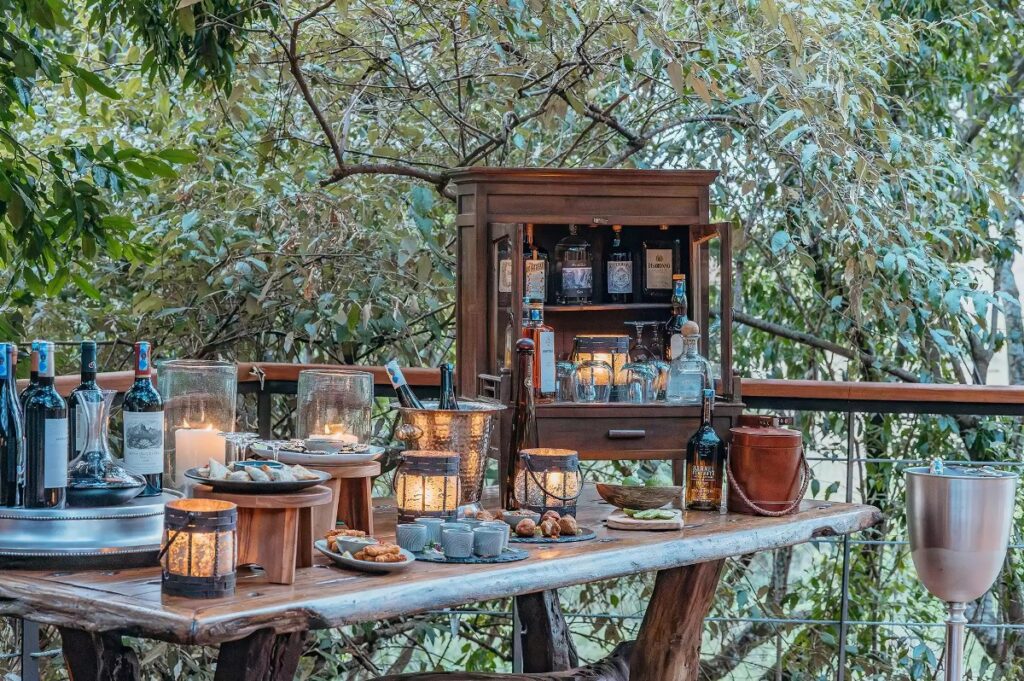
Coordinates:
(239, 445)
(640, 381)
(638, 351)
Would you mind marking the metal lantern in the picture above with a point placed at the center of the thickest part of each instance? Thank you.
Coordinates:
(427, 485)
(199, 403)
(334, 404)
(548, 480)
(198, 554)
(610, 349)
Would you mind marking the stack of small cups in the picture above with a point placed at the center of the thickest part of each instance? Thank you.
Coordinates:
(461, 539)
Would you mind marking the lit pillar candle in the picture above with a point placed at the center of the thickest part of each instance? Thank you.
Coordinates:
(194, 447)
(339, 433)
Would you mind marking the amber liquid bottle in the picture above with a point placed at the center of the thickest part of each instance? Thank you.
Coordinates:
(705, 459)
(523, 433)
(543, 338)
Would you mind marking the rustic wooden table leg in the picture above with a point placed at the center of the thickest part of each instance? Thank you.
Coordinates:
(668, 647)
(260, 656)
(546, 639)
(98, 657)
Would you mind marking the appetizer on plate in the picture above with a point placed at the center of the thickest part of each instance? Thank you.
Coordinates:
(381, 553)
(255, 473)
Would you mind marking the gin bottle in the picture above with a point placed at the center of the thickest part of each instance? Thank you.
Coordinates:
(690, 373)
(574, 269)
(619, 269)
(535, 268)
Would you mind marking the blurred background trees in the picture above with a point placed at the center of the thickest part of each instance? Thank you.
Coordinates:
(263, 180)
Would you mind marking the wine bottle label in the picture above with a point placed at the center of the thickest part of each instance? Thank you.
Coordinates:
(535, 286)
(659, 268)
(703, 483)
(81, 430)
(505, 276)
(144, 442)
(620, 276)
(577, 281)
(675, 346)
(55, 453)
(547, 362)
(395, 374)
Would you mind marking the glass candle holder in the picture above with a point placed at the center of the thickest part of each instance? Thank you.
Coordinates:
(594, 379)
(548, 480)
(427, 485)
(334, 404)
(610, 349)
(199, 404)
(198, 550)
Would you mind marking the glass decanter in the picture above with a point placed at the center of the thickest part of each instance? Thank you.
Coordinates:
(690, 373)
(95, 478)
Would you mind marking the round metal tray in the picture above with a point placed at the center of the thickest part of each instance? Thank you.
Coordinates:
(84, 538)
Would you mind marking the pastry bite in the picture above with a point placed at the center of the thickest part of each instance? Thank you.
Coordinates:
(526, 528)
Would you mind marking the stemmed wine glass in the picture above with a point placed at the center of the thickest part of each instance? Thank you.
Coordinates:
(240, 443)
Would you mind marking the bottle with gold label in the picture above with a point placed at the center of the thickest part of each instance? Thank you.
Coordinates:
(535, 268)
(705, 459)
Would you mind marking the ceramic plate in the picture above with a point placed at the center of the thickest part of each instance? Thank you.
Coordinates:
(344, 560)
(290, 455)
(585, 533)
(253, 487)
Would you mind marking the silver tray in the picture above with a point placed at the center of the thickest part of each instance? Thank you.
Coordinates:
(84, 538)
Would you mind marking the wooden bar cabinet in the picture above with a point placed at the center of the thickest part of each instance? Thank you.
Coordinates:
(494, 207)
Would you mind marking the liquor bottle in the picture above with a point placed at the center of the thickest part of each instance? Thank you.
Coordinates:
(535, 268)
(690, 374)
(523, 433)
(705, 458)
(660, 261)
(448, 401)
(619, 269)
(672, 339)
(143, 411)
(33, 376)
(12, 436)
(543, 338)
(46, 438)
(574, 269)
(76, 418)
(406, 397)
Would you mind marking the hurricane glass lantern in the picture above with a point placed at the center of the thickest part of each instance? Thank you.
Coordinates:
(611, 349)
(199, 404)
(199, 548)
(334, 404)
(548, 480)
(427, 485)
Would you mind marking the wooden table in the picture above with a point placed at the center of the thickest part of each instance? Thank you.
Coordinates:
(261, 628)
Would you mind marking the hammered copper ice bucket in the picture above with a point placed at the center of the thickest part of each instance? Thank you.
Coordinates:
(466, 432)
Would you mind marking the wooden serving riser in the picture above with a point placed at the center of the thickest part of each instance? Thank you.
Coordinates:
(620, 521)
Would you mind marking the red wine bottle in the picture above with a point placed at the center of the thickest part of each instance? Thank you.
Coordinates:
(12, 436)
(33, 376)
(46, 438)
(523, 434)
(406, 397)
(144, 425)
(78, 431)
(448, 400)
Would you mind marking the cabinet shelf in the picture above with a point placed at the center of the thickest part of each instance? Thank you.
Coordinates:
(607, 307)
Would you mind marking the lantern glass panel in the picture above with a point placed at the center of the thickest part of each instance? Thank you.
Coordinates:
(427, 484)
(548, 479)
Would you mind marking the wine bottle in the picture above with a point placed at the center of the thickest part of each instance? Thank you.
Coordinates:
(543, 338)
(33, 376)
(448, 401)
(12, 436)
(143, 412)
(406, 397)
(523, 433)
(46, 438)
(76, 419)
(672, 339)
(619, 269)
(705, 459)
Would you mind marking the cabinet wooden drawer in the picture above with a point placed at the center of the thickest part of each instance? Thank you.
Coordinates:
(613, 438)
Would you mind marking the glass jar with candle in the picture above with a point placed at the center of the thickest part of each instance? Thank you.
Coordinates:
(199, 404)
(334, 405)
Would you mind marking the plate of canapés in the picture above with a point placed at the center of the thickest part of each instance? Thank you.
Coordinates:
(312, 452)
(256, 477)
(354, 549)
(533, 527)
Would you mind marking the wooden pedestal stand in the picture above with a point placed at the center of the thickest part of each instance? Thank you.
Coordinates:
(352, 504)
(275, 531)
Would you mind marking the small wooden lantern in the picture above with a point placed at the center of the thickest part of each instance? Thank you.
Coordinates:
(427, 485)
(548, 480)
(198, 554)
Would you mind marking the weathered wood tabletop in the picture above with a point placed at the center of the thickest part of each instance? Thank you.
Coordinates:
(94, 609)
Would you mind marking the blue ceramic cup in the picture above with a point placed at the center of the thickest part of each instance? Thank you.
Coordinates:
(487, 541)
(457, 543)
(411, 536)
(433, 526)
(500, 526)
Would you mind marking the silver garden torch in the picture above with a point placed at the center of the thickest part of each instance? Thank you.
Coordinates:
(959, 522)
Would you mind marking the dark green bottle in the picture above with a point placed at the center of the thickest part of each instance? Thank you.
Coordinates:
(76, 423)
(705, 459)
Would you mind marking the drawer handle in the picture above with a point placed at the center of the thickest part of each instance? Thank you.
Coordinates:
(627, 434)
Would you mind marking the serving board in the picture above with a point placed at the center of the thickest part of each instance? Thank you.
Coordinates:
(620, 521)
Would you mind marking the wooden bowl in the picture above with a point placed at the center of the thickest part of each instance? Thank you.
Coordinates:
(638, 498)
